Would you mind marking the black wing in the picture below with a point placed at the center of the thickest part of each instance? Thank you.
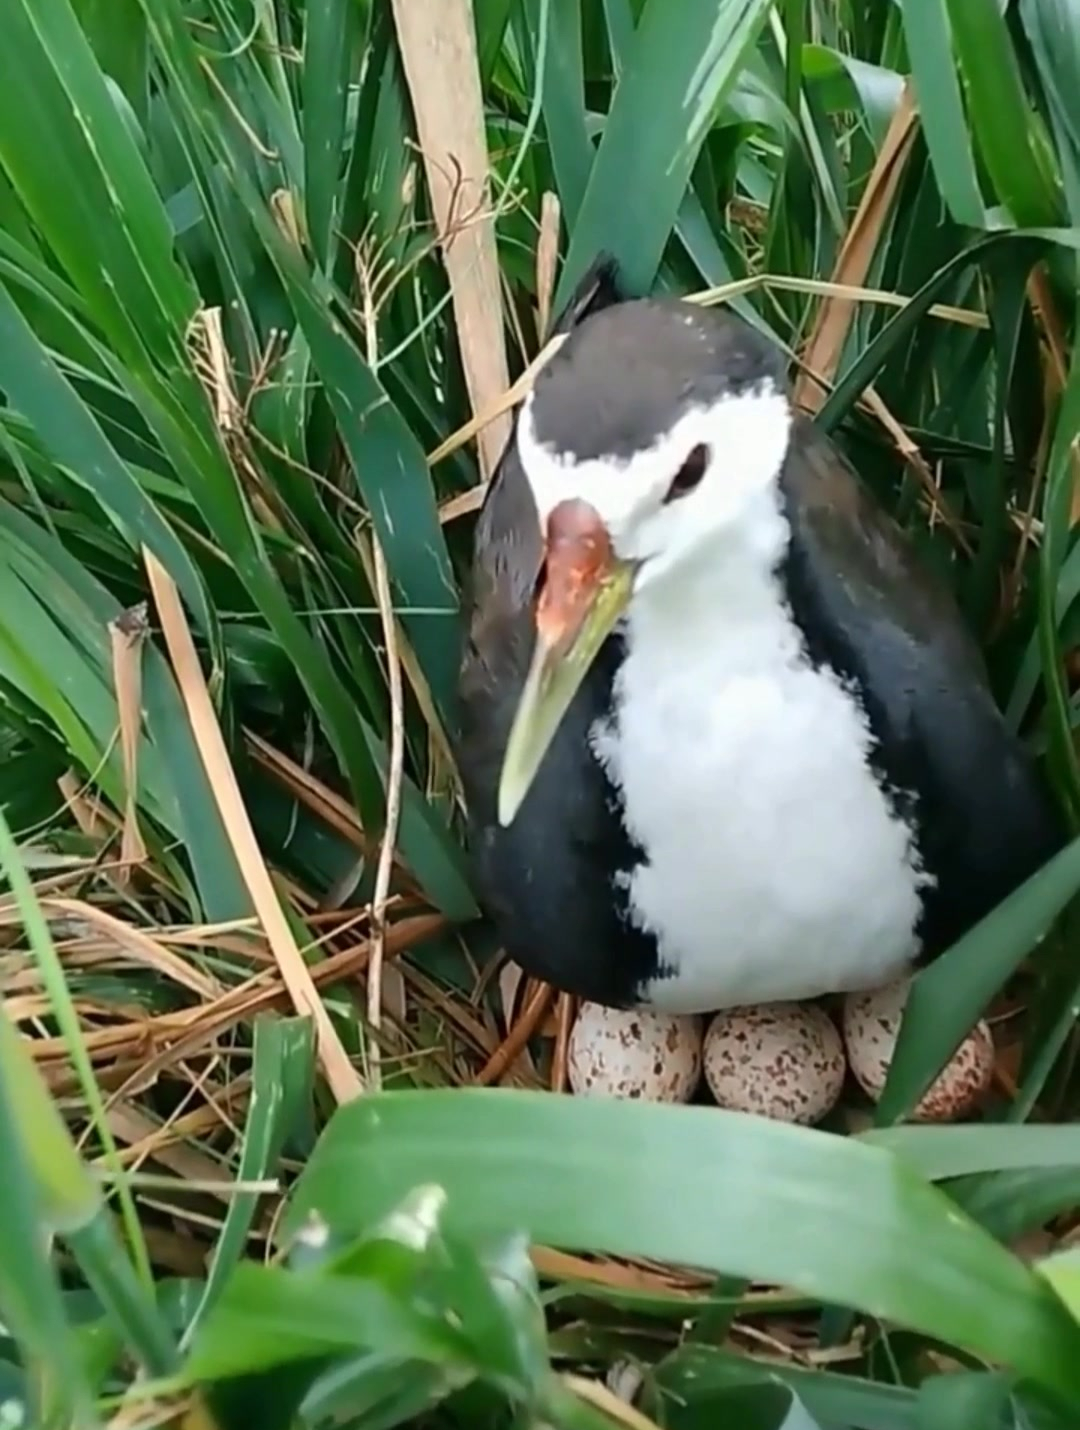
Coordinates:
(873, 612)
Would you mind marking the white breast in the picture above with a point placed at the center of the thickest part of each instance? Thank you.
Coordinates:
(774, 866)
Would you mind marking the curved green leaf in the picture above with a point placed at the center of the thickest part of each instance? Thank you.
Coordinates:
(839, 1220)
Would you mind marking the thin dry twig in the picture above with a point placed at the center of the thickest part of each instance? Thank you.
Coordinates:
(143, 949)
(228, 413)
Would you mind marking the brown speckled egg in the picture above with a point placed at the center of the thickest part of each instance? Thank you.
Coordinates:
(871, 1027)
(780, 1060)
(618, 1053)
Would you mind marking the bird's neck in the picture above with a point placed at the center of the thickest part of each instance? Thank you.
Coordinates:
(728, 592)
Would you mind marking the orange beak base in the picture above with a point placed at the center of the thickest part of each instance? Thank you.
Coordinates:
(578, 558)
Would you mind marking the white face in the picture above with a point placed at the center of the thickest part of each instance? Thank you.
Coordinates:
(745, 439)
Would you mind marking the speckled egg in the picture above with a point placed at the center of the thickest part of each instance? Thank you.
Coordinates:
(780, 1060)
(635, 1054)
(871, 1027)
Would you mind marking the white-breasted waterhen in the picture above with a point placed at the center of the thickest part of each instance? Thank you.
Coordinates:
(723, 739)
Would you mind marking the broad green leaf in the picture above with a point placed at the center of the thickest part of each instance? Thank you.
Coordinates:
(74, 162)
(835, 1219)
(953, 1402)
(1006, 129)
(700, 1372)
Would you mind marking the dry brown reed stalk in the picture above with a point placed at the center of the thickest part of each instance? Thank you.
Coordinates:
(438, 51)
(565, 1013)
(339, 1071)
(1056, 369)
(127, 635)
(547, 253)
(394, 776)
(824, 347)
(537, 1004)
(164, 1035)
(213, 366)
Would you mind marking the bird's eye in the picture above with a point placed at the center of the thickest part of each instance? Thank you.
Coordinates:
(689, 474)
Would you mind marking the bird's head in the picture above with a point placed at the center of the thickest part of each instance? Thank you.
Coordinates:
(646, 438)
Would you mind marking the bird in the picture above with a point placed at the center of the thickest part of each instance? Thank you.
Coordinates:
(723, 739)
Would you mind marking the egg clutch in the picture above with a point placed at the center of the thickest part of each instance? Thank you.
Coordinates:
(785, 1061)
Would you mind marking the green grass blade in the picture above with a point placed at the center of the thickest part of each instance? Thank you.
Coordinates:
(74, 162)
(1053, 31)
(846, 82)
(173, 787)
(562, 83)
(117, 32)
(1005, 127)
(65, 1193)
(46, 398)
(1057, 521)
(1013, 1204)
(29, 1295)
(76, 1207)
(684, 59)
(267, 1316)
(941, 105)
(282, 1058)
(950, 994)
(330, 54)
(939, 1153)
(52, 975)
(492, 18)
(1027, 247)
